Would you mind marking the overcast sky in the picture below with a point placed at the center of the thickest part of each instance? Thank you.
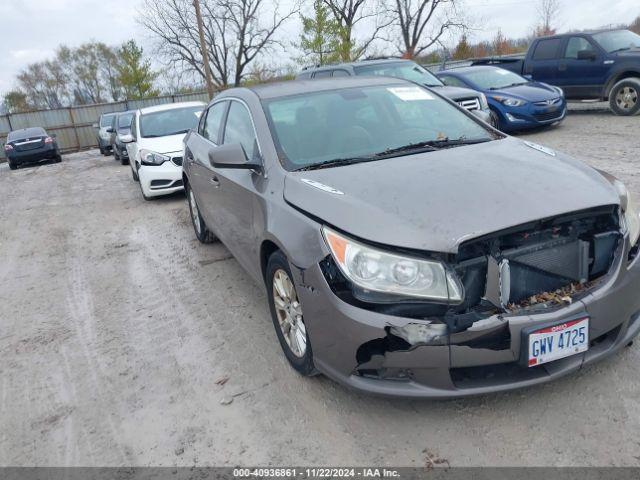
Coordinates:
(32, 29)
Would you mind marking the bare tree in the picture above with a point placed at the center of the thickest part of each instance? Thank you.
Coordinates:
(236, 33)
(422, 23)
(548, 14)
(349, 14)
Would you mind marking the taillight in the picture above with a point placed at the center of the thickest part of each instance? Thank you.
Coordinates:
(8, 147)
(48, 140)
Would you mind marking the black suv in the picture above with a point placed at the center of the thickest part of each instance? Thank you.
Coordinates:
(468, 99)
(30, 145)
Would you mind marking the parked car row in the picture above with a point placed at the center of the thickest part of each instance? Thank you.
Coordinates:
(600, 65)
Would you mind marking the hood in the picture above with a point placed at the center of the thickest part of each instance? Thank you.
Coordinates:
(434, 201)
(169, 144)
(456, 93)
(531, 92)
(634, 52)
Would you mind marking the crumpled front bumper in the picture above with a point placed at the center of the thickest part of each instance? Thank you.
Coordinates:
(338, 329)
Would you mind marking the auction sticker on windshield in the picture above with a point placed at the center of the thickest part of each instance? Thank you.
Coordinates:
(409, 94)
(558, 341)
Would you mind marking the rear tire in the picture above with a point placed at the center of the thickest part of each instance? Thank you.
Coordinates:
(624, 98)
(102, 151)
(123, 160)
(278, 274)
(58, 158)
(203, 234)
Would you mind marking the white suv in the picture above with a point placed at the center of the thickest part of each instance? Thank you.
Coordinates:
(155, 146)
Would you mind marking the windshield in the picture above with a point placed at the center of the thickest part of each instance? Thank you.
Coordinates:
(105, 120)
(365, 123)
(618, 40)
(169, 122)
(124, 121)
(494, 78)
(407, 70)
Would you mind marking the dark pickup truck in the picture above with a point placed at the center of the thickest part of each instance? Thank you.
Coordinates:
(603, 65)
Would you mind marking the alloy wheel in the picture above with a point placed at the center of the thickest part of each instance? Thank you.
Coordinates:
(289, 313)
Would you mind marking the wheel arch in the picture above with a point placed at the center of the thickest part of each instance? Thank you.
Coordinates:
(615, 78)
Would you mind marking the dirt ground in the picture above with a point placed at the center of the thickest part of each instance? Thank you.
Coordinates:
(118, 331)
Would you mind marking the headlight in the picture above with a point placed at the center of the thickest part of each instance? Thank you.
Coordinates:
(484, 105)
(379, 271)
(148, 157)
(629, 208)
(508, 101)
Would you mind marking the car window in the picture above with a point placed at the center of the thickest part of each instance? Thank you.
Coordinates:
(547, 49)
(213, 121)
(452, 81)
(314, 128)
(105, 120)
(26, 133)
(323, 74)
(340, 73)
(403, 69)
(617, 40)
(493, 78)
(174, 121)
(575, 45)
(124, 121)
(134, 127)
(239, 129)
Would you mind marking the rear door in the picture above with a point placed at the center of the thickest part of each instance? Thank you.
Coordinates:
(200, 172)
(581, 78)
(542, 64)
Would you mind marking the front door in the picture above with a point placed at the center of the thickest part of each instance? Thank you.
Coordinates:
(581, 77)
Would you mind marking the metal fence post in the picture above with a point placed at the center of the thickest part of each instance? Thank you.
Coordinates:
(75, 128)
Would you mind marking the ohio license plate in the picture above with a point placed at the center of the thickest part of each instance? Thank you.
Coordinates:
(559, 341)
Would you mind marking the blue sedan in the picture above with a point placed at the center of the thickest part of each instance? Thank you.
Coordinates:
(515, 102)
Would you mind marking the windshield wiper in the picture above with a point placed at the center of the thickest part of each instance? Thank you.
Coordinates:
(338, 162)
(431, 145)
(508, 86)
(621, 49)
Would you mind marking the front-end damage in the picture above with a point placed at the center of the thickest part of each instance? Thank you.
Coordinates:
(536, 269)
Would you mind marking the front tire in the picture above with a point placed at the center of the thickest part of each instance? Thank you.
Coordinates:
(624, 98)
(58, 158)
(12, 165)
(134, 172)
(203, 234)
(287, 316)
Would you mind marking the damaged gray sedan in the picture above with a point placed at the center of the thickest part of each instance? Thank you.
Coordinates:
(408, 248)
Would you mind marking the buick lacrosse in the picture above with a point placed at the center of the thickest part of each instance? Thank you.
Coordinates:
(408, 248)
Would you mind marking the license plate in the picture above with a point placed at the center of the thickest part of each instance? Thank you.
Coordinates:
(559, 341)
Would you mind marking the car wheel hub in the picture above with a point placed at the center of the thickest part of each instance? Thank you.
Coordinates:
(289, 313)
(627, 98)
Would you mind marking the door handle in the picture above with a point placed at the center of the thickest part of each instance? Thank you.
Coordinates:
(214, 181)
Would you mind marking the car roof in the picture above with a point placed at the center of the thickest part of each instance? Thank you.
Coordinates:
(585, 32)
(299, 87)
(361, 63)
(26, 133)
(170, 106)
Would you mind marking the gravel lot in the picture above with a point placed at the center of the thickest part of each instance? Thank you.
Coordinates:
(118, 330)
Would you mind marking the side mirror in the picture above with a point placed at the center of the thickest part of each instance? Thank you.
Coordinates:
(95, 125)
(109, 130)
(528, 76)
(587, 55)
(127, 138)
(54, 135)
(232, 156)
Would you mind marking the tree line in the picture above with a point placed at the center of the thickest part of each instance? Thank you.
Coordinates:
(91, 73)
(244, 41)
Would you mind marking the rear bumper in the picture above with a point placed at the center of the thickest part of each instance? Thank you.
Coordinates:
(160, 180)
(48, 152)
(341, 332)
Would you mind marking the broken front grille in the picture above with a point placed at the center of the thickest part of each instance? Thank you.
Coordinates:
(558, 256)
